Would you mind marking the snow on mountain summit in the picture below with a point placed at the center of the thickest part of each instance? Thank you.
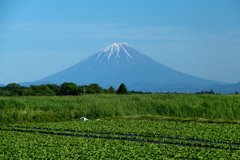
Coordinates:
(116, 51)
(116, 46)
(114, 55)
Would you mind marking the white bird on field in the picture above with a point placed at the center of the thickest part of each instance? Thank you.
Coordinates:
(84, 119)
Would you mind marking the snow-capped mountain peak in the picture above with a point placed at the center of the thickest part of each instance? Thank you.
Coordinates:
(116, 51)
(116, 47)
(121, 63)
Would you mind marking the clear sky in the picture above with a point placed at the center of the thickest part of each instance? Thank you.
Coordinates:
(41, 37)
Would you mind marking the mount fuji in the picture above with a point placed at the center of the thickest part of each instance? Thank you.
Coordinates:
(121, 63)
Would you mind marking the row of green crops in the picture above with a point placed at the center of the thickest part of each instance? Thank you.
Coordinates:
(34, 145)
(16, 145)
(142, 139)
(223, 135)
(43, 109)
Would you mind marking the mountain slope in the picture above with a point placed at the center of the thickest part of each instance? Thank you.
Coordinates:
(121, 63)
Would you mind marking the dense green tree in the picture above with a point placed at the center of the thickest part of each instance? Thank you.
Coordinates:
(105, 90)
(93, 89)
(7, 93)
(35, 88)
(14, 88)
(81, 90)
(111, 90)
(2, 92)
(28, 92)
(11, 86)
(54, 87)
(42, 90)
(47, 92)
(71, 88)
(122, 89)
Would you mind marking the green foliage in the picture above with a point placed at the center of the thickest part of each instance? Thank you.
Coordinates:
(122, 89)
(28, 92)
(41, 90)
(111, 90)
(32, 144)
(15, 89)
(93, 89)
(11, 86)
(55, 88)
(71, 88)
(4, 92)
(206, 92)
(1, 92)
(212, 132)
(206, 106)
(46, 92)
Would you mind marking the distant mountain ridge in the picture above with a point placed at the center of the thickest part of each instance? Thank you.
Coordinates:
(228, 88)
(121, 63)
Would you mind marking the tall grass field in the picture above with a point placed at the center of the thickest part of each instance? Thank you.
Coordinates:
(56, 108)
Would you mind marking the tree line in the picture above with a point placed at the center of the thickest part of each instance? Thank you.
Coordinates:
(67, 88)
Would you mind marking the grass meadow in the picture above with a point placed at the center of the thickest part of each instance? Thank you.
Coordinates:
(157, 105)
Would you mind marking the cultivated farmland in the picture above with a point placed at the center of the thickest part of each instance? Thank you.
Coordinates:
(152, 126)
(120, 138)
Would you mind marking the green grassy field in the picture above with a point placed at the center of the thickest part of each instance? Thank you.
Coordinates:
(165, 106)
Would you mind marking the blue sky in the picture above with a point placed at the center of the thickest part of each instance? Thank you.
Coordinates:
(41, 37)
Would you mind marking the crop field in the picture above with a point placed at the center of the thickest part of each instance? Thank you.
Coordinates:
(150, 126)
(120, 139)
